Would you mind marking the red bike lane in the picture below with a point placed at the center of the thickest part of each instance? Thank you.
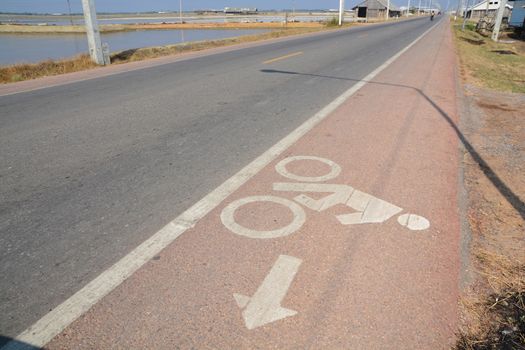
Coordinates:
(349, 239)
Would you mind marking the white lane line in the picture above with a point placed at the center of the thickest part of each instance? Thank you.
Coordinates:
(40, 333)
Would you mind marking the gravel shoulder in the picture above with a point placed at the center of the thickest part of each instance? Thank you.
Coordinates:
(493, 303)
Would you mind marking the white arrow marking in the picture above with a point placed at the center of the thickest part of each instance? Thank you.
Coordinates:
(265, 305)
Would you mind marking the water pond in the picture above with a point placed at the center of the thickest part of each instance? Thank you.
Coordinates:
(19, 48)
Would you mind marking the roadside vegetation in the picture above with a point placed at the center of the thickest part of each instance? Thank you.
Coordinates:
(495, 318)
(499, 66)
(493, 305)
(333, 22)
(51, 29)
(20, 72)
(152, 52)
(68, 29)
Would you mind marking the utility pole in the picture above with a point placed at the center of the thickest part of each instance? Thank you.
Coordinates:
(408, 8)
(341, 11)
(499, 19)
(93, 33)
(70, 15)
(388, 10)
(458, 9)
(419, 9)
(180, 11)
(465, 15)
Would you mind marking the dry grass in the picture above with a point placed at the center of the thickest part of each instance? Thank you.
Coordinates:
(496, 317)
(21, 72)
(232, 25)
(493, 313)
(68, 29)
(483, 63)
(28, 71)
(52, 29)
(493, 308)
(152, 52)
(30, 29)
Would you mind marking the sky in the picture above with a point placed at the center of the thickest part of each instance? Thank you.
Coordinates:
(157, 5)
(60, 6)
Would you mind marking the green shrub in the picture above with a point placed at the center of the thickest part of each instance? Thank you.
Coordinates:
(333, 22)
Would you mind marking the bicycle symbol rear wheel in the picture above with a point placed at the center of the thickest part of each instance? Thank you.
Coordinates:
(228, 218)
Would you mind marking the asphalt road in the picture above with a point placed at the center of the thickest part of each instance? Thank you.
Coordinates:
(91, 169)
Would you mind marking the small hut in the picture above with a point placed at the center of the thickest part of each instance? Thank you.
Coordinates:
(376, 9)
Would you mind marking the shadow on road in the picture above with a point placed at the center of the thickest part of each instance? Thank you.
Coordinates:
(15, 344)
(505, 191)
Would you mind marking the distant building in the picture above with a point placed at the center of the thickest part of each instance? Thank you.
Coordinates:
(208, 11)
(480, 10)
(337, 11)
(240, 10)
(376, 9)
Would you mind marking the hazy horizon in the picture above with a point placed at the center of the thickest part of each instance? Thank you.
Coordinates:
(131, 6)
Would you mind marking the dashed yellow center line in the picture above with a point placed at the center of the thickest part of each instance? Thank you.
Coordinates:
(283, 57)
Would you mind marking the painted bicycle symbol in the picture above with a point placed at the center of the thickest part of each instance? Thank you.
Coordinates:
(365, 208)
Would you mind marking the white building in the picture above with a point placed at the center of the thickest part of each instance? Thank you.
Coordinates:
(240, 11)
(480, 10)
